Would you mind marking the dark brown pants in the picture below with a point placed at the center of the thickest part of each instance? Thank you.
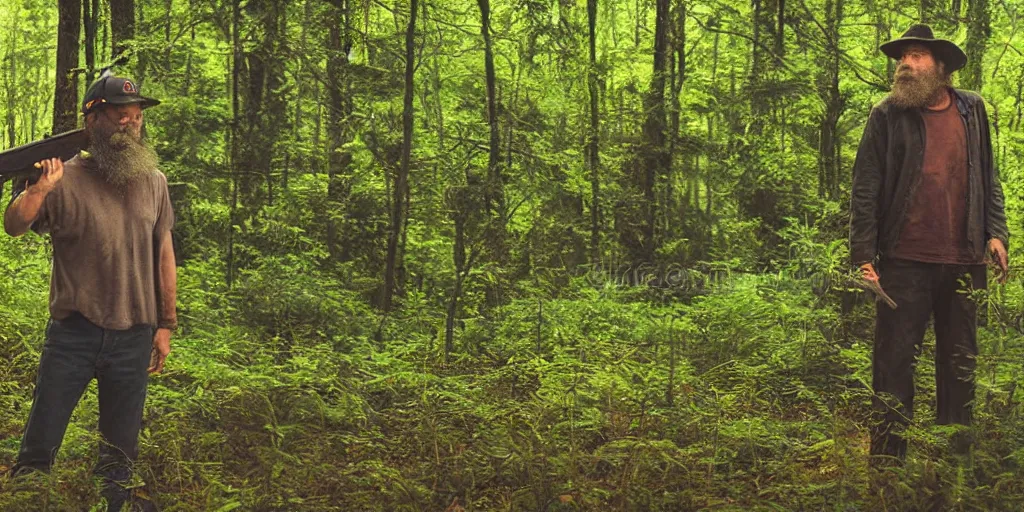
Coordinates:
(920, 291)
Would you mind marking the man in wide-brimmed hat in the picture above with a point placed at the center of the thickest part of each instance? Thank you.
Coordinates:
(112, 289)
(926, 213)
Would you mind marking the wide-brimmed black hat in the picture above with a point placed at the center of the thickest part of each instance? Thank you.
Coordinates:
(114, 90)
(943, 49)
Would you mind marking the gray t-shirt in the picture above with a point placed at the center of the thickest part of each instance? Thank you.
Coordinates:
(105, 245)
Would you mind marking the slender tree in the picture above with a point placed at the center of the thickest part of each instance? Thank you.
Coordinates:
(593, 136)
(339, 109)
(65, 99)
(835, 103)
(90, 16)
(495, 192)
(186, 83)
(236, 72)
(10, 86)
(673, 217)
(979, 30)
(494, 183)
(400, 189)
(654, 155)
(168, 22)
(122, 25)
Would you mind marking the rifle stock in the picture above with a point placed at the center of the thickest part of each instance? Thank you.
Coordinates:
(19, 162)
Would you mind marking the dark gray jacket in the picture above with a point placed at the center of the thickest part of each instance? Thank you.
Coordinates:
(888, 169)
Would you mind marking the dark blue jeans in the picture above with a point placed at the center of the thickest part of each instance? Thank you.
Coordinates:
(76, 351)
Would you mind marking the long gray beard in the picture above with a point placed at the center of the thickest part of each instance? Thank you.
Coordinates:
(910, 91)
(121, 159)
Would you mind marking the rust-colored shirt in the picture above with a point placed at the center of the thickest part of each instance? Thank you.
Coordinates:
(105, 245)
(935, 226)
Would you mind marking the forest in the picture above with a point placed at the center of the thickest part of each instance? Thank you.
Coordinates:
(512, 255)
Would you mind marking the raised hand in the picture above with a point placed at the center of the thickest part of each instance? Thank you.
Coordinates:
(53, 171)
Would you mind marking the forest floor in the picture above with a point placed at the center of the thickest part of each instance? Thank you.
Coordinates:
(750, 397)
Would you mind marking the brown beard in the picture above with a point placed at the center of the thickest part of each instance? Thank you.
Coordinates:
(910, 91)
(120, 157)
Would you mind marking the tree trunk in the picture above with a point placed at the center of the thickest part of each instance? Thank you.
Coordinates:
(767, 51)
(494, 196)
(65, 99)
(592, 152)
(255, 148)
(10, 88)
(38, 114)
(673, 216)
(168, 11)
(654, 156)
(757, 199)
(828, 156)
(680, 50)
(465, 209)
(711, 136)
(435, 89)
(318, 121)
(302, 88)
(276, 115)
(236, 63)
(122, 25)
(452, 313)
(780, 33)
(10, 81)
(978, 31)
(142, 54)
(104, 55)
(90, 15)
(494, 183)
(401, 186)
(338, 112)
(756, 54)
(186, 83)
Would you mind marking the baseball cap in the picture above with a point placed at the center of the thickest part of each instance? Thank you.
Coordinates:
(114, 90)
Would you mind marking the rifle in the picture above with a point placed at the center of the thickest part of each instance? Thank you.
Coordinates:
(18, 163)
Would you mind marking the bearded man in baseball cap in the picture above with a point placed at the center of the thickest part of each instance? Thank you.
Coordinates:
(112, 287)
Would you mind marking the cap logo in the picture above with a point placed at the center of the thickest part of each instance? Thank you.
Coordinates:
(129, 87)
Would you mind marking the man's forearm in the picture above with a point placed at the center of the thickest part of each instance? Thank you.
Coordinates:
(863, 212)
(168, 284)
(23, 211)
(995, 223)
(865, 189)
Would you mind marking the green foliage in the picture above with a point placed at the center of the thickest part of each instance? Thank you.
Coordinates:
(731, 372)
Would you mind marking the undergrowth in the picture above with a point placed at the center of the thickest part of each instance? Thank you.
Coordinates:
(280, 395)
